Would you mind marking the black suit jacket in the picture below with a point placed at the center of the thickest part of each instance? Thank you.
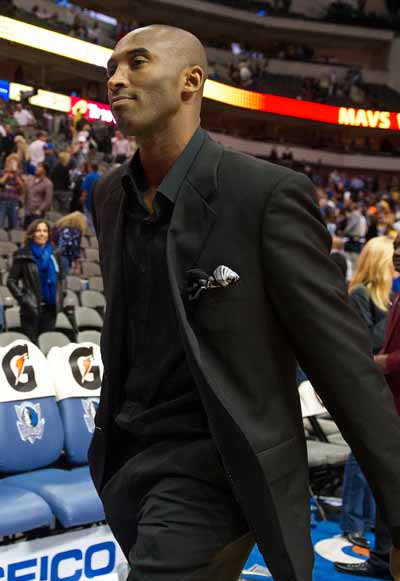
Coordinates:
(242, 341)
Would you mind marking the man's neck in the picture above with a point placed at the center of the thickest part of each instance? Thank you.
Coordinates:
(158, 153)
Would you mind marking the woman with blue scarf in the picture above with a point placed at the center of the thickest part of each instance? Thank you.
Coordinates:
(35, 280)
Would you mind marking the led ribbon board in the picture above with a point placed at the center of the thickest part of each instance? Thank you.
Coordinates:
(66, 46)
(54, 42)
(301, 109)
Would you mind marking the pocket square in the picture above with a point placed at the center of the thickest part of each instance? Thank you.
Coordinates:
(198, 281)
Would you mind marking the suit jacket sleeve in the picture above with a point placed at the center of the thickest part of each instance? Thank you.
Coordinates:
(328, 338)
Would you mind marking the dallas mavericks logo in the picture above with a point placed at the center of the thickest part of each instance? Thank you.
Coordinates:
(30, 423)
(84, 370)
(90, 406)
(19, 374)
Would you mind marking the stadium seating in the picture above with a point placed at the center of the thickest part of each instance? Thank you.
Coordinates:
(63, 325)
(88, 319)
(22, 510)
(92, 254)
(77, 371)
(8, 337)
(74, 283)
(93, 300)
(52, 339)
(96, 283)
(90, 268)
(89, 336)
(7, 298)
(13, 319)
(7, 249)
(71, 299)
(32, 437)
(17, 236)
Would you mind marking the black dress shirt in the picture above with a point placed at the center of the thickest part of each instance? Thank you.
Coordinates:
(161, 399)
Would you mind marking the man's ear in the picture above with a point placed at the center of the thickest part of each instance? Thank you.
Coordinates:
(194, 78)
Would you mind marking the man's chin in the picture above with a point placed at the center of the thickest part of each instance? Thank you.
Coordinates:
(127, 125)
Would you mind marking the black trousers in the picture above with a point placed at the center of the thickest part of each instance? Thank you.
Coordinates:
(33, 326)
(380, 555)
(175, 521)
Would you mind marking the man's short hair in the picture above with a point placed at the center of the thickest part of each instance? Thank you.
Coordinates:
(94, 166)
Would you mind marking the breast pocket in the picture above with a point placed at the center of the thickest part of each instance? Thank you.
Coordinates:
(215, 310)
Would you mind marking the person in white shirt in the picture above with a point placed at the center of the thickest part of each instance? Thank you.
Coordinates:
(37, 149)
(23, 117)
(121, 148)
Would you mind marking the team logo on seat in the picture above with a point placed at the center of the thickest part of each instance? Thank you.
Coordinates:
(19, 374)
(90, 406)
(30, 423)
(84, 369)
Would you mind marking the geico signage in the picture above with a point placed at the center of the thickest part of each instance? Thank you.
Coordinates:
(91, 110)
(69, 565)
(365, 118)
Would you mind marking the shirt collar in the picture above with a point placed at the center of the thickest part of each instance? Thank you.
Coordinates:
(172, 182)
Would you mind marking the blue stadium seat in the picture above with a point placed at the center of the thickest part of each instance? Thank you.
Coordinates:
(22, 510)
(77, 370)
(77, 415)
(69, 493)
(31, 434)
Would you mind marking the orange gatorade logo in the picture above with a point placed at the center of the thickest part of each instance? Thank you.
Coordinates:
(19, 374)
(84, 369)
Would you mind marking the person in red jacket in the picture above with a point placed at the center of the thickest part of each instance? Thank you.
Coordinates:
(388, 360)
(389, 357)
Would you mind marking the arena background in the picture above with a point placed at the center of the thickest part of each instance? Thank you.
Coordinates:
(311, 85)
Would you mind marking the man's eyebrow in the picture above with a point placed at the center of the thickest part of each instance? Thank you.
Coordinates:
(131, 53)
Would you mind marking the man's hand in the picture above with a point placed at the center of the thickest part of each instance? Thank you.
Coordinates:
(381, 361)
(395, 563)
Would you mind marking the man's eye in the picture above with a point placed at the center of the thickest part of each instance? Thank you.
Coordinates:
(137, 62)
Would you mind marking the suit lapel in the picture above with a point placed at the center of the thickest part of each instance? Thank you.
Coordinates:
(194, 213)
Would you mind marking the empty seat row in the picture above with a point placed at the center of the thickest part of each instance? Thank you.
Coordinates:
(87, 298)
(85, 319)
(75, 284)
(15, 236)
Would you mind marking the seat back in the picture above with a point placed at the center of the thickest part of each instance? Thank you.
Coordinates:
(74, 283)
(77, 370)
(17, 236)
(13, 318)
(94, 300)
(91, 268)
(92, 254)
(87, 318)
(7, 248)
(7, 298)
(31, 433)
(8, 337)
(96, 283)
(52, 339)
(88, 337)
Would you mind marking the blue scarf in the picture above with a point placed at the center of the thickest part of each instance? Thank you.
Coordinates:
(48, 269)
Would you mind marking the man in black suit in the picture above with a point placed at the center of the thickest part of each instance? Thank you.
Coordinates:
(217, 277)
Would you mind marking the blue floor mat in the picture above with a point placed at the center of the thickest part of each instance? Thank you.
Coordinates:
(329, 546)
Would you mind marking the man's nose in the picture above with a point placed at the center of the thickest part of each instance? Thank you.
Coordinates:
(118, 80)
